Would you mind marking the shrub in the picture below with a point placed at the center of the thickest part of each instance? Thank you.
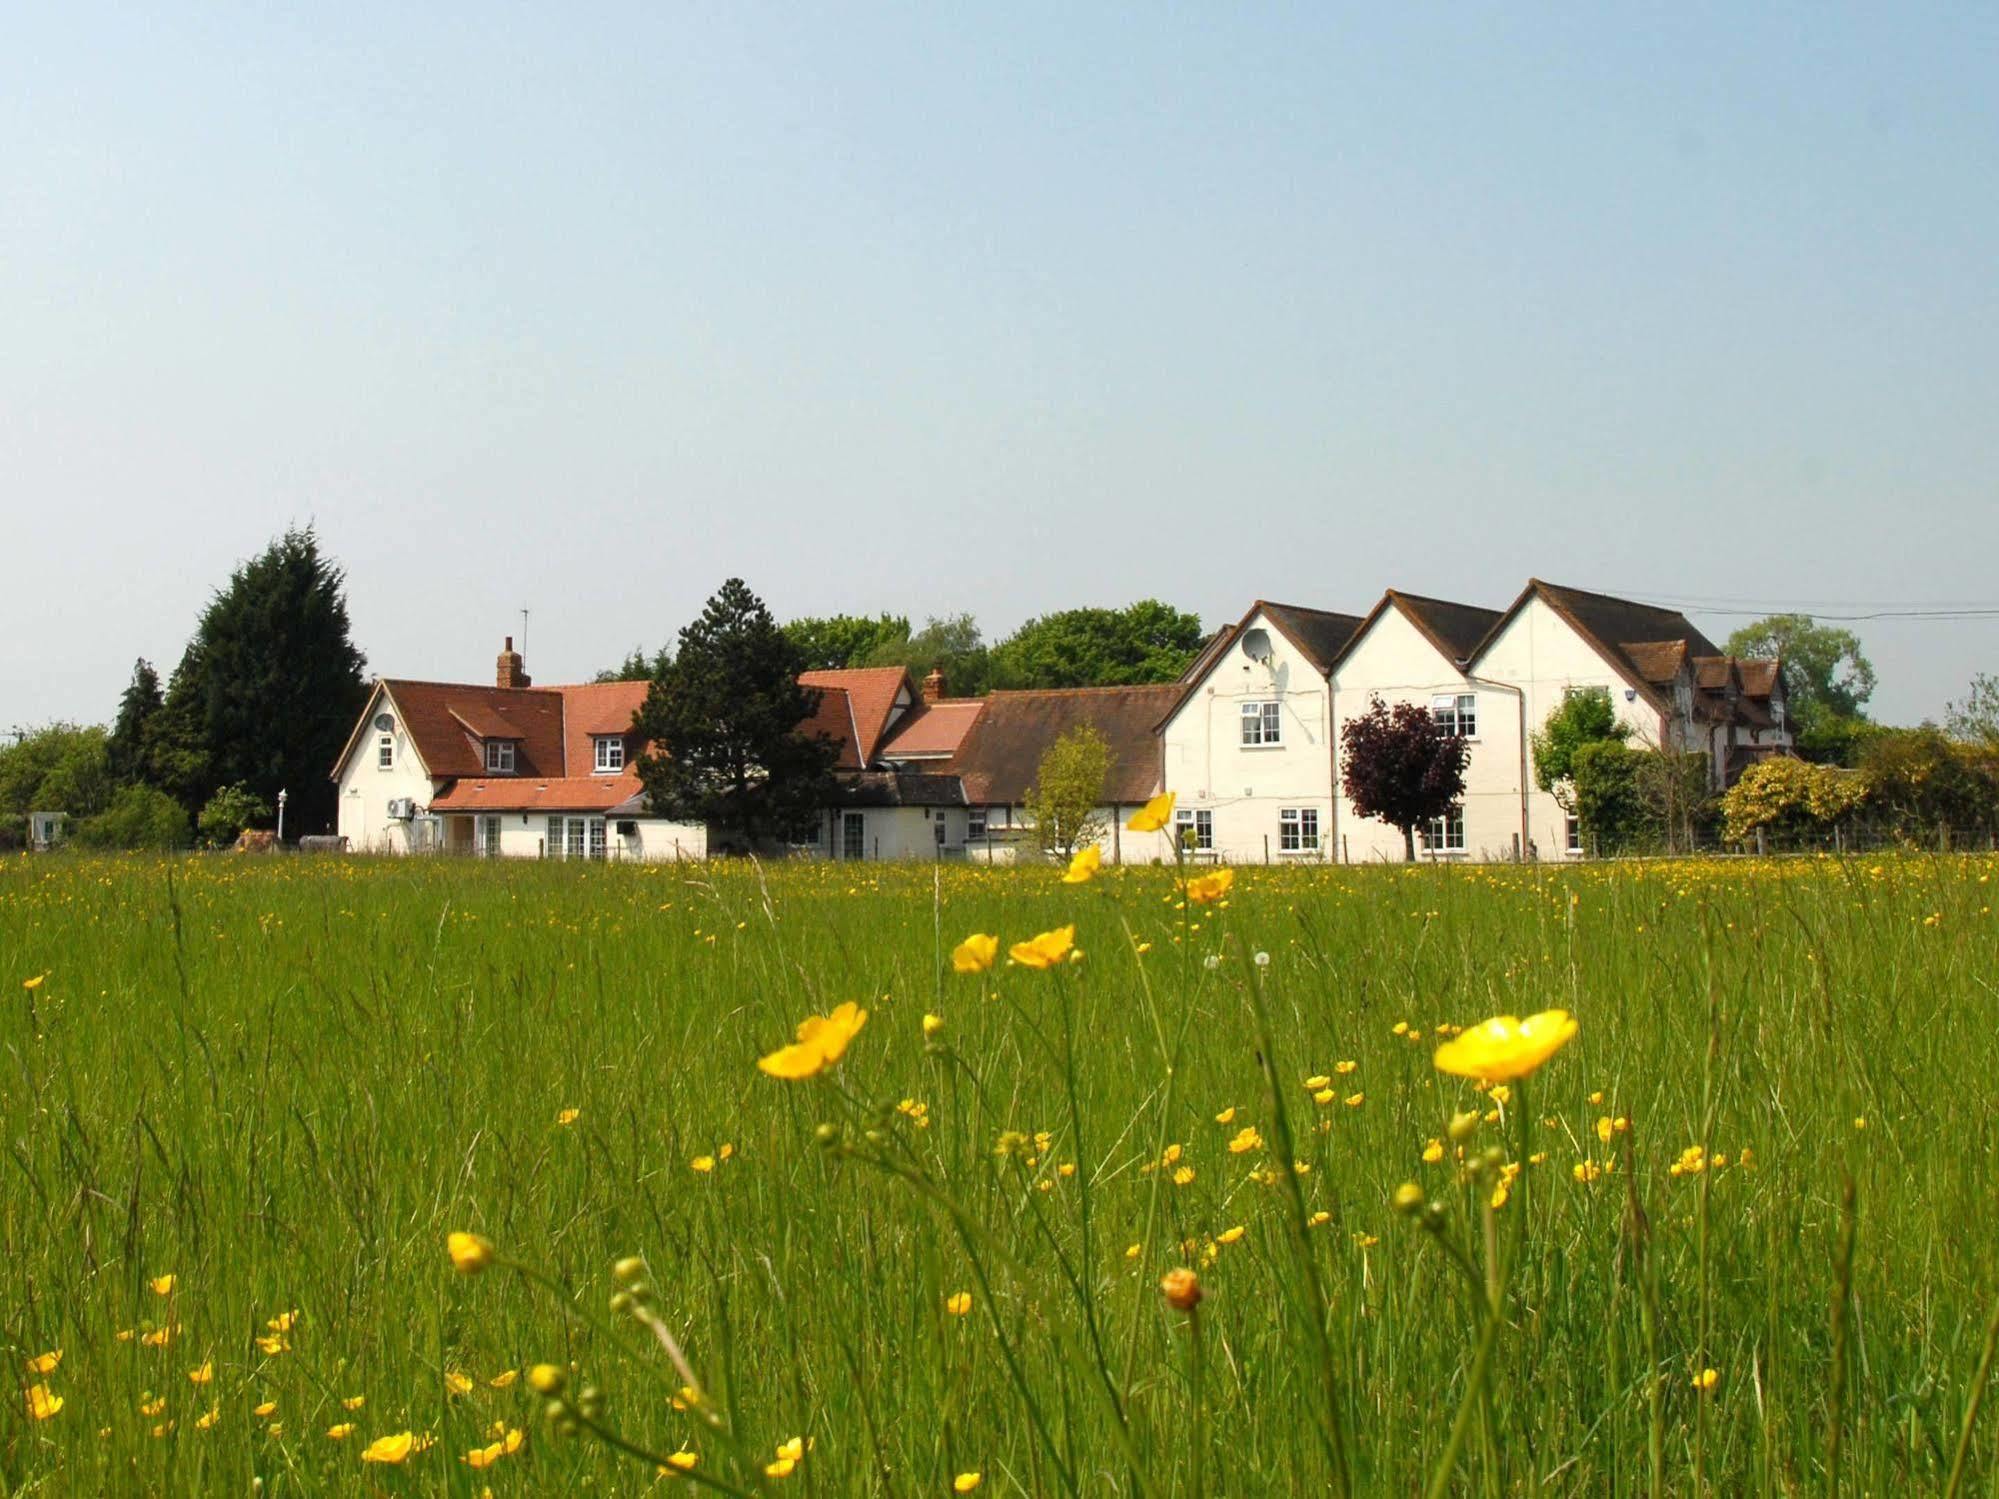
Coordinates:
(1790, 797)
(138, 817)
(229, 811)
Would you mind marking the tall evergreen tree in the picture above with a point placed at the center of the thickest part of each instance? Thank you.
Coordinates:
(725, 719)
(131, 735)
(271, 684)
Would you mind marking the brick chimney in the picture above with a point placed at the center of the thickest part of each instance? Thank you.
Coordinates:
(933, 685)
(512, 672)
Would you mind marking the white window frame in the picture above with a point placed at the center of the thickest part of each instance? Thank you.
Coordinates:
(486, 831)
(1444, 837)
(1262, 723)
(1572, 833)
(499, 757)
(1202, 821)
(975, 824)
(610, 754)
(1298, 830)
(1456, 713)
(385, 752)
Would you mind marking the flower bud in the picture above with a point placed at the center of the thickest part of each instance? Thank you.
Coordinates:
(621, 1302)
(827, 1135)
(1181, 1288)
(1462, 1127)
(1409, 1199)
(590, 1400)
(628, 1269)
(547, 1379)
(470, 1253)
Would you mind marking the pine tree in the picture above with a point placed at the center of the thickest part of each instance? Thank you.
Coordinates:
(269, 688)
(725, 718)
(131, 735)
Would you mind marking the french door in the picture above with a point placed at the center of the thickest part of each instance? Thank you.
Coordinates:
(853, 835)
(575, 838)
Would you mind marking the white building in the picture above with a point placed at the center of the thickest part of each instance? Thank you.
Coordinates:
(1248, 741)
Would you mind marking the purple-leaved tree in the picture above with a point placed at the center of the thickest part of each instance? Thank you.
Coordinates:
(1400, 767)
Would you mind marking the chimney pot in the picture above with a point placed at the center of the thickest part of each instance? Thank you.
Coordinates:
(933, 685)
(511, 670)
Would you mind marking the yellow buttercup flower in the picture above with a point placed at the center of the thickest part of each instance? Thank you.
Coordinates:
(202, 1375)
(1229, 1235)
(1154, 815)
(504, 1379)
(568, 1116)
(1084, 865)
(469, 1252)
(1204, 889)
(1246, 1140)
(1504, 1047)
(355, 1402)
(340, 1431)
(793, 1449)
(163, 1285)
(389, 1449)
(964, 1483)
(822, 1041)
(31, 985)
(41, 1403)
(1181, 1288)
(456, 1382)
(1046, 950)
(702, 1163)
(780, 1467)
(45, 1363)
(208, 1419)
(958, 1303)
(932, 1024)
(683, 1459)
(268, 1408)
(1706, 1380)
(975, 954)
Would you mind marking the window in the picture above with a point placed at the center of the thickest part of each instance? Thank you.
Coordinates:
(1456, 714)
(1446, 834)
(575, 838)
(1298, 830)
(385, 752)
(1262, 724)
(1573, 833)
(500, 757)
(553, 848)
(975, 824)
(596, 829)
(1195, 828)
(853, 835)
(610, 753)
(489, 835)
(938, 828)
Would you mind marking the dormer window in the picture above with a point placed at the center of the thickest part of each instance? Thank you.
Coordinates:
(500, 757)
(610, 754)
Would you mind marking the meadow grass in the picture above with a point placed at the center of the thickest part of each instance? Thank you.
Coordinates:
(284, 1082)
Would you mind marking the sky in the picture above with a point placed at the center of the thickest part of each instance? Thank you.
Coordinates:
(583, 309)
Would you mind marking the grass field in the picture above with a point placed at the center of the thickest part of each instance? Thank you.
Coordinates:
(283, 1083)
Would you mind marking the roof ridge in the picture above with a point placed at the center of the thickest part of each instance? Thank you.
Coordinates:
(474, 686)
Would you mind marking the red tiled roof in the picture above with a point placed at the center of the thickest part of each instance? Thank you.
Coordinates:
(834, 719)
(932, 730)
(591, 709)
(871, 692)
(436, 716)
(535, 793)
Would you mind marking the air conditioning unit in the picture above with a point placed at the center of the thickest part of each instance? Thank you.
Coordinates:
(402, 808)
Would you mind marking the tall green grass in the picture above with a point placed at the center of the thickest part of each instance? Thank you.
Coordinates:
(285, 1081)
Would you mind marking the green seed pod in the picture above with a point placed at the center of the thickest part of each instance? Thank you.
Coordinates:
(827, 1135)
(1462, 1127)
(628, 1269)
(621, 1303)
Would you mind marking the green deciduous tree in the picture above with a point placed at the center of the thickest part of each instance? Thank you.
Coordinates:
(1827, 676)
(1976, 716)
(1068, 789)
(1398, 766)
(63, 767)
(268, 690)
(1584, 717)
(832, 642)
(1143, 642)
(638, 666)
(1922, 785)
(725, 723)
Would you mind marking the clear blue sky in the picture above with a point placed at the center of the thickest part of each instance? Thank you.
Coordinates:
(586, 308)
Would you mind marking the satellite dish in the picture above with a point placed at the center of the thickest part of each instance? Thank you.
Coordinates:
(1256, 645)
(384, 723)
